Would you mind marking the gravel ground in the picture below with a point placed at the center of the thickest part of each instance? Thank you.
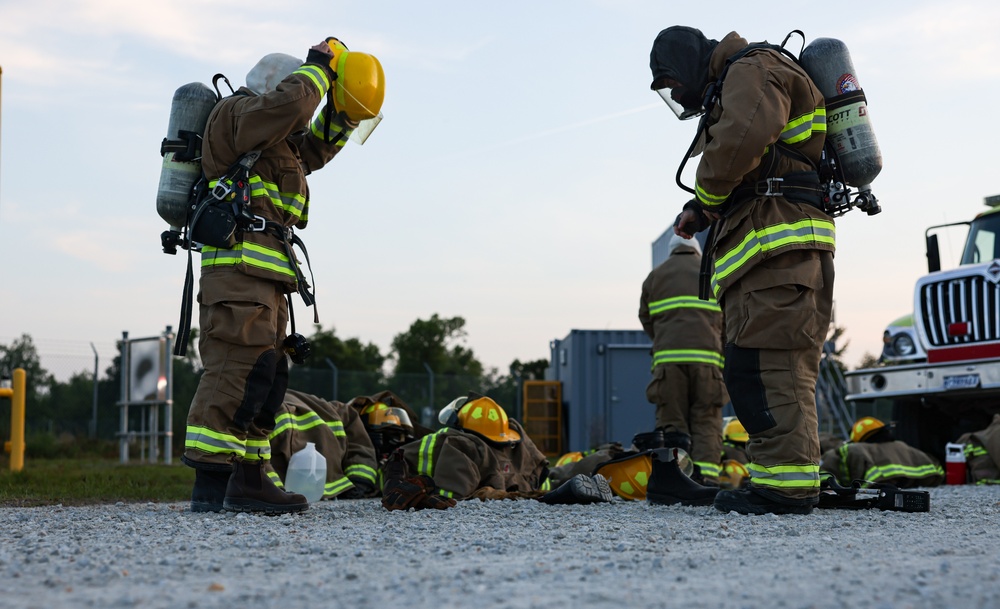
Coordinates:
(354, 554)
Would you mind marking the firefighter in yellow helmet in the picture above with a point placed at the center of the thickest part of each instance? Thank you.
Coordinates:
(479, 453)
(259, 144)
(874, 456)
(390, 422)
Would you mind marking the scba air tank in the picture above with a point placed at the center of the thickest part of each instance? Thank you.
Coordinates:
(189, 110)
(848, 126)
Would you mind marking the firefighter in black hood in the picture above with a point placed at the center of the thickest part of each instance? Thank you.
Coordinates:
(772, 247)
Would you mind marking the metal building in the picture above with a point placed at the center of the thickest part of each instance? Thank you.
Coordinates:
(604, 374)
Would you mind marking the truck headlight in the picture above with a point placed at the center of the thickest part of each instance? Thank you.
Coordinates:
(903, 345)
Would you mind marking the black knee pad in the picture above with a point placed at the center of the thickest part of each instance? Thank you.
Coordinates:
(272, 404)
(746, 389)
(259, 384)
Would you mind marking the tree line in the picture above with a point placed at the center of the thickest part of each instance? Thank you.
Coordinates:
(428, 365)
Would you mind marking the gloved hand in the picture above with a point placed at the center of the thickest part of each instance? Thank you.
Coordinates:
(320, 54)
(691, 220)
(417, 492)
(488, 492)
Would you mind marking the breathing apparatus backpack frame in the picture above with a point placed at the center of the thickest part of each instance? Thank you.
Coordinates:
(834, 193)
(219, 217)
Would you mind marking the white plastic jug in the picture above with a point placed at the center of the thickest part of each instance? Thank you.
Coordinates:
(307, 473)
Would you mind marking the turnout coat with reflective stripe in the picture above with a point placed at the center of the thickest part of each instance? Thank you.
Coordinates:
(460, 462)
(766, 98)
(279, 125)
(338, 433)
(894, 463)
(684, 329)
(982, 453)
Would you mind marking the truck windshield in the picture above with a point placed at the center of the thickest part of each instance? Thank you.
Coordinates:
(983, 243)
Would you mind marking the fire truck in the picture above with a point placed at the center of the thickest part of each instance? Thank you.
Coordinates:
(941, 367)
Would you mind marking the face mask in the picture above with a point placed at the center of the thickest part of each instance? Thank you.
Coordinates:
(684, 102)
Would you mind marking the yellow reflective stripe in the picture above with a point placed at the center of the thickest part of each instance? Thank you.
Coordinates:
(318, 77)
(445, 493)
(683, 302)
(275, 478)
(290, 202)
(785, 476)
(338, 91)
(425, 455)
(360, 470)
(251, 254)
(258, 450)
(337, 427)
(546, 486)
(712, 470)
(287, 421)
(972, 450)
(214, 442)
(688, 356)
(318, 129)
(844, 471)
(706, 198)
(806, 231)
(879, 472)
(802, 128)
(336, 487)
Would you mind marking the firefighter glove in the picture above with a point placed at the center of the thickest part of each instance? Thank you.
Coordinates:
(320, 54)
(695, 224)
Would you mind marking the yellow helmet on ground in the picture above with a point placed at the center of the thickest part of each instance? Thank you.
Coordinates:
(864, 427)
(733, 474)
(360, 85)
(735, 432)
(379, 416)
(568, 458)
(486, 418)
(628, 476)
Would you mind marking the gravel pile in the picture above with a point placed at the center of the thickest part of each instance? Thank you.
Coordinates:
(354, 554)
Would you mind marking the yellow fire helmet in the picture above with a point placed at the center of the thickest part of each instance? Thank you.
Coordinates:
(379, 417)
(864, 427)
(628, 476)
(360, 86)
(735, 432)
(486, 418)
(733, 474)
(568, 458)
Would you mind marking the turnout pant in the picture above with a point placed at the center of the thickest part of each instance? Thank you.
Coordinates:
(689, 400)
(242, 327)
(777, 319)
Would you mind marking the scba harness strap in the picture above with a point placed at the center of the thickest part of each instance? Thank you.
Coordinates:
(220, 219)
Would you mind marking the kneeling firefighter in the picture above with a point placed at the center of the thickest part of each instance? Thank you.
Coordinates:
(259, 145)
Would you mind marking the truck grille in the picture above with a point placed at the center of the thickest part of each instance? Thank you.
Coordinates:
(972, 300)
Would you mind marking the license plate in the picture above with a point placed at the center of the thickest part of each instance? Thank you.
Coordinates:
(962, 381)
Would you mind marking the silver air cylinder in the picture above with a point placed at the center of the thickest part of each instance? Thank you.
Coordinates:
(849, 128)
(189, 110)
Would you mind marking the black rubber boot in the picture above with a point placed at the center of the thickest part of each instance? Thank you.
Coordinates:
(648, 440)
(251, 490)
(209, 490)
(677, 439)
(581, 489)
(749, 501)
(669, 486)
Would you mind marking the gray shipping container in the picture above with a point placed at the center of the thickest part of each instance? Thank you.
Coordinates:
(604, 374)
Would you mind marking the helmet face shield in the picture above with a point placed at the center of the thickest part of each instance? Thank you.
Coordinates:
(679, 110)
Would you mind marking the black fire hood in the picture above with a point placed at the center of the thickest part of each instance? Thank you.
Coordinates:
(681, 53)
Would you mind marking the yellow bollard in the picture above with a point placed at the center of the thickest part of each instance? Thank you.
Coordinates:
(16, 394)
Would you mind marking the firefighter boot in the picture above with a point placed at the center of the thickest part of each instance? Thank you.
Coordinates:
(581, 489)
(251, 490)
(677, 439)
(753, 501)
(209, 489)
(669, 486)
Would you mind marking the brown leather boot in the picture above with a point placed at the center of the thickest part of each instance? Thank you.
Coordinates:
(251, 490)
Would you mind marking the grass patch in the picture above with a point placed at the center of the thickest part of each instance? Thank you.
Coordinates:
(89, 481)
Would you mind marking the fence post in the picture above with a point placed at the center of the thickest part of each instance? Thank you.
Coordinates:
(330, 363)
(429, 409)
(93, 418)
(16, 394)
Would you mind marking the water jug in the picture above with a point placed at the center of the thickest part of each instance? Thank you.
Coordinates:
(307, 473)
